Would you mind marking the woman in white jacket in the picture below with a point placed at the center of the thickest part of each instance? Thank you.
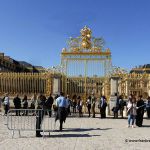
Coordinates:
(131, 109)
(6, 103)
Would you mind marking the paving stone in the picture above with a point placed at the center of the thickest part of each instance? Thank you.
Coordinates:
(81, 133)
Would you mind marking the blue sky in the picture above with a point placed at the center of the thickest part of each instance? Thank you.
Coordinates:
(36, 30)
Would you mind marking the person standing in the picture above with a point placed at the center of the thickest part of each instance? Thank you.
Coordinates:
(121, 105)
(40, 107)
(55, 108)
(79, 105)
(140, 111)
(116, 108)
(33, 101)
(17, 104)
(148, 107)
(49, 103)
(69, 105)
(25, 105)
(88, 103)
(103, 105)
(6, 104)
(61, 104)
(93, 101)
(74, 104)
(131, 110)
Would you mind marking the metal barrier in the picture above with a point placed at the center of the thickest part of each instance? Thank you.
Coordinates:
(30, 120)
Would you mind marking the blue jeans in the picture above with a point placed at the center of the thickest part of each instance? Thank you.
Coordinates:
(131, 117)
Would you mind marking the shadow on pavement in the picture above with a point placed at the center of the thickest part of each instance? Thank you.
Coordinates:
(146, 126)
(84, 129)
(66, 135)
(62, 135)
(69, 135)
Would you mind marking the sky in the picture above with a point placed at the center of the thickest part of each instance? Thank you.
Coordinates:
(36, 30)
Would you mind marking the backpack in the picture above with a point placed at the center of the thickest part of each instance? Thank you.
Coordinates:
(105, 104)
(121, 103)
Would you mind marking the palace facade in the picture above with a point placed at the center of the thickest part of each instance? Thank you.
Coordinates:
(8, 64)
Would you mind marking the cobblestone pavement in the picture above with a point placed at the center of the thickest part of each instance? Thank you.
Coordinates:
(81, 134)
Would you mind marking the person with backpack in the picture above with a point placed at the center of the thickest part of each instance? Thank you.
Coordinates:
(17, 104)
(103, 105)
(121, 105)
(116, 107)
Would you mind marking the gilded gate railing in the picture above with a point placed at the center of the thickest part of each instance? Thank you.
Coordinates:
(25, 83)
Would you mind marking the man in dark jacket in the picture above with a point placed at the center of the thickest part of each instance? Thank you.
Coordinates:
(17, 104)
(40, 114)
(116, 108)
(103, 105)
(49, 103)
(93, 101)
(140, 111)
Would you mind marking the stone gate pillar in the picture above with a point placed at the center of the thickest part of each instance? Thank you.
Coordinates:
(56, 85)
(114, 85)
(114, 90)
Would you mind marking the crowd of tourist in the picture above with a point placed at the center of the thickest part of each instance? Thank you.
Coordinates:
(76, 104)
(64, 106)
